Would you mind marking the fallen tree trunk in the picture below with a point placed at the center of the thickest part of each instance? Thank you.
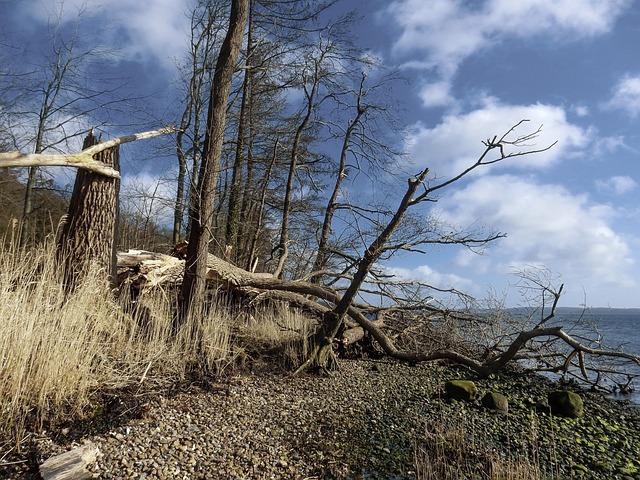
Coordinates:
(148, 270)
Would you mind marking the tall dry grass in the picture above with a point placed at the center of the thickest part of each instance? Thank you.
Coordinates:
(59, 350)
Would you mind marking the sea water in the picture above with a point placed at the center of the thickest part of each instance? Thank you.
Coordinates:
(619, 328)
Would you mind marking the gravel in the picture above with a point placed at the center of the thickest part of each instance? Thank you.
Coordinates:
(364, 421)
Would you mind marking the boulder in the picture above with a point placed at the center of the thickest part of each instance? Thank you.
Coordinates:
(565, 403)
(461, 390)
(495, 401)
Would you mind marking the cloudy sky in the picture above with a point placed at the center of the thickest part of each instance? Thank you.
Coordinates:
(476, 68)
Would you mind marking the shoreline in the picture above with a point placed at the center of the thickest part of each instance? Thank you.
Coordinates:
(368, 420)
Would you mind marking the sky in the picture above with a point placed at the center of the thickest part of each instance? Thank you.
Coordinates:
(475, 69)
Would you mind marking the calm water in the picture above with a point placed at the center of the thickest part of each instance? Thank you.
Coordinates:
(618, 327)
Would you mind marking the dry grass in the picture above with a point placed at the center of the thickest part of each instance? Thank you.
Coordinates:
(451, 449)
(273, 330)
(58, 350)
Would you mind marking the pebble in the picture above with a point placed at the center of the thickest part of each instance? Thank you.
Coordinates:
(358, 423)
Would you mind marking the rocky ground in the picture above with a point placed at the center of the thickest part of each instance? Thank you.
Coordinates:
(372, 419)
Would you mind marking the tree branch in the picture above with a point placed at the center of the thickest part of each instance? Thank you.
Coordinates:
(83, 160)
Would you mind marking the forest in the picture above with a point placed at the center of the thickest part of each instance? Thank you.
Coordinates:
(291, 193)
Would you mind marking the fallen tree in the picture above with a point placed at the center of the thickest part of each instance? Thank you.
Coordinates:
(143, 270)
(336, 310)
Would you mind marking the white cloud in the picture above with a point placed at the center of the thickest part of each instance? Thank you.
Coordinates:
(155, 29)
(449, 31)
(455, 143)
(426, 274)
(581, 110)
(545, 225)
(446, 32)
(618, 185)
(436, 94)
(626, 95)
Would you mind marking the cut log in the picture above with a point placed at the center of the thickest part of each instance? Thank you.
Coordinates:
(71, 465)
(352, 335)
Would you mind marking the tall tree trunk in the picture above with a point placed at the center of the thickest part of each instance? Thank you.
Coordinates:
(258, 212)
(283, 245)
(203, 201)
(27, 206)
(233, 214)
(89, 233)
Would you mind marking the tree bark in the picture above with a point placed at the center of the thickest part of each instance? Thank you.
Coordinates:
(90, 229)
(233, 214)
(203, 201)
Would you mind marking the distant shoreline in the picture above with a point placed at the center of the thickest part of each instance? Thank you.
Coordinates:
(592, 311)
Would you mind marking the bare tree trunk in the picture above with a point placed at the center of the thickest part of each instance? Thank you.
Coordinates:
(27, 206)
(178, 209)
(283, 245)
(259, 212)
(233, 214)
(89, 232)
(202, 209)
(322, 354)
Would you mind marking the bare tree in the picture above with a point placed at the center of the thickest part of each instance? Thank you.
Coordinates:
(54, 104)
(207, 26)
(339, 307)
(203, 198)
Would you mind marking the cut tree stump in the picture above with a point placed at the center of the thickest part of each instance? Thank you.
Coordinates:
(71, 465)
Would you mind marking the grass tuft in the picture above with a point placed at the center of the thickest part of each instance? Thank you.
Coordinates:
(451, 449)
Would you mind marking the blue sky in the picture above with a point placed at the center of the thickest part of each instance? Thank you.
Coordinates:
(476, 68)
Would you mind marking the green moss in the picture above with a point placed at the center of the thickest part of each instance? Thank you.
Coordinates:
(461, 390)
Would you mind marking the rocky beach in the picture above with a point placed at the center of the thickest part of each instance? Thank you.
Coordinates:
(371, 419)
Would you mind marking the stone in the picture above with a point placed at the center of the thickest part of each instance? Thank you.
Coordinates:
(495, 401)
(461, 390)
(565, 404)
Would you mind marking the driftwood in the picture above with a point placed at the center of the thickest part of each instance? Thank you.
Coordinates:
(71, 465)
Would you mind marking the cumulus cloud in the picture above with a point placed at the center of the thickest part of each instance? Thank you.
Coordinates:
(545, 225)
(446, 32)
(455, 143)
(617, 185)
(430, 276)
(437, 94)
(626, 95)
(155, 29)
(449, 31)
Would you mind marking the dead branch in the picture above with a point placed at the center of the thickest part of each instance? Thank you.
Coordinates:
(83, 160)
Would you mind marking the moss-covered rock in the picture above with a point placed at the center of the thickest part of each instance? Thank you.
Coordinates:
(565, 403)
(495, 401)
(461, 390)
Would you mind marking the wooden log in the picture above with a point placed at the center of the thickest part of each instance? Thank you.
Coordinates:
(352, 335)
(71, 465)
